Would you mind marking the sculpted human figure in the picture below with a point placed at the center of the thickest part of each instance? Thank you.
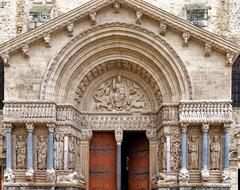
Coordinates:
(119, 94)
(71, 149)
(193, 153)
(215, 153)
(58, 146)
(42, 153)
(21, 151)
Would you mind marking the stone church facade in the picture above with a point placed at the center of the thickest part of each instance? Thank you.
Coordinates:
(119, 95)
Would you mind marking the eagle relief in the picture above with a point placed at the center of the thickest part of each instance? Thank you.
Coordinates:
(119, 94)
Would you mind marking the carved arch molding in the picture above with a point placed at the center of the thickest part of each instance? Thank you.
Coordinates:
(143, 62)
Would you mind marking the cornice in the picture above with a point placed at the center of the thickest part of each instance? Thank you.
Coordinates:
(231, 50)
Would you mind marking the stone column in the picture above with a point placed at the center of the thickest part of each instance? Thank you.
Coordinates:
(29, 173)
(119, 138)
(86, 136)
(153, 153)
(184, 175)
(167, 134)
(8, 176)
(50, 167)
(205, 172)
(8, 127)
(66, 161)
(226, 173)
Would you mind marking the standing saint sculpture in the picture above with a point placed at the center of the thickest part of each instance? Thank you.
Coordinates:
(71, 149)
(215, 153)
(58, 153)
(21, 152)
(42, 153)
(193, 153)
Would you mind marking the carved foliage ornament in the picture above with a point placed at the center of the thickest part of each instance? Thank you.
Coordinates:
(119, 94)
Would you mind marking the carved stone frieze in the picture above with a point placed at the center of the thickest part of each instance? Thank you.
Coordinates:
(119, 94)
(204, 111)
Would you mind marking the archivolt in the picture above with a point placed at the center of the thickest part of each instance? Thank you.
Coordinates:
(116, 41)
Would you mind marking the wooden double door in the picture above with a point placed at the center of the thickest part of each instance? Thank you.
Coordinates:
(134, 162)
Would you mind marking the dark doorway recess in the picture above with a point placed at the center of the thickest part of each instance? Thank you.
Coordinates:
(135, 161)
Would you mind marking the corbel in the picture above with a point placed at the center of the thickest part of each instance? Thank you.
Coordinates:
(116, 6)
(70, 29)
(139, 15)
(208, 49)
(163, 28)
(48, 40)
(92, 17)
(230, 57)
(186, 37)
(25, 51)
(5, 57)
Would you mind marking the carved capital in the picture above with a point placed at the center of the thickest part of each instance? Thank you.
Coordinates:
(205, 127)
(86, 135)
(186, 37)
(25, 51)
(119, 136)
(30, 127)
(139, 16)
(48, 40)
(116, 6)
(70, 29)
(208, 49)
(229, 58)
(93, 19)
(163, 28)
(5, 58)
(151, 134)
(184, 127)
(8, 127)
(227, 127)
(51, 127)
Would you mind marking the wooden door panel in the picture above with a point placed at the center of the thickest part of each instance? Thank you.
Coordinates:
(102, 162)
(138, 163)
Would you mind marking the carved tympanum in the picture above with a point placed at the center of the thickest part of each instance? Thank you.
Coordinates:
(119, 94)
(215, 148)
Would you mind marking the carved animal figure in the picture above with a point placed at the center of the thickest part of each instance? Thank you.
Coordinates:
(71, 178)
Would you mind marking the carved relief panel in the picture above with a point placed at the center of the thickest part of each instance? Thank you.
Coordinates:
(71, 149)
(119, 94)
(20, 147)
(40, 147)
(175, 148)
(194, 148)
(215, 156)
(59, 151)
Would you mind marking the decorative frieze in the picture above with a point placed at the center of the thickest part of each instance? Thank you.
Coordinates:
(204, 111)
(29, 112)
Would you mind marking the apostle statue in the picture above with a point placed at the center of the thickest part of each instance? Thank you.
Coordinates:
(58, 152)
(193, 153)
(42, 153)
(215, 153)
(71, 149)
(21, 151)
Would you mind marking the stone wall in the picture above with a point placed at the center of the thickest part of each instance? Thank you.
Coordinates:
(223, 15)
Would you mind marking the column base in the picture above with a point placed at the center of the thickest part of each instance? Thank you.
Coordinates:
(226, 176)
(183, 176)
(205, 175)
(51, 175)
(29, 174)
(9, 177)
